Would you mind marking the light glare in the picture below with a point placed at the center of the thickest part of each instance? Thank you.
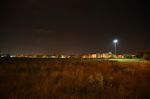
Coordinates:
(115, 41)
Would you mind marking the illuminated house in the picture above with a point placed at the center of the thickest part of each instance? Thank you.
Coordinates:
(120, 56)
(98, 55)
(105, 55)
(88, 56)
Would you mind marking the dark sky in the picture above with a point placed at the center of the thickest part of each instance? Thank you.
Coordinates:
(74, 26)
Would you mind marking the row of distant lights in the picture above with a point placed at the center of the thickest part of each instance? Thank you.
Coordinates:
(5, 56)
(115, 41)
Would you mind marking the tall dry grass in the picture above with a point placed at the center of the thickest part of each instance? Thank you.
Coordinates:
(73, 79)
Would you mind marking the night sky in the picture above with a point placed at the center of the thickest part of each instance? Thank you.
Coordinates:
(73, 26)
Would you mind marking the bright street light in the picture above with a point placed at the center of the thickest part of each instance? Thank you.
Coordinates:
(115, 41)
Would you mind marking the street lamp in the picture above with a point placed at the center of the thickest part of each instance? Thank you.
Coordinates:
(115, 41)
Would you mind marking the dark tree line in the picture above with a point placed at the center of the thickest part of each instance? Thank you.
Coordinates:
(144, 55)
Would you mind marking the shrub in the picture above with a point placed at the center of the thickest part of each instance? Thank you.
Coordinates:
(127, 56)
(146, 56)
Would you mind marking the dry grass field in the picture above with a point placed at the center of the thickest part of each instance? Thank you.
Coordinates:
(73, 79)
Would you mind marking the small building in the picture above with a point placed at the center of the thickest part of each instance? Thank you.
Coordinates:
(120, 56)
(97, 55)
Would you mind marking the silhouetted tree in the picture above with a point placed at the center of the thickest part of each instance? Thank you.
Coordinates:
(7, 56)
(144, 55)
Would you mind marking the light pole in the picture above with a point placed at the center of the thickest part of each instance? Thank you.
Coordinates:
(115, 41)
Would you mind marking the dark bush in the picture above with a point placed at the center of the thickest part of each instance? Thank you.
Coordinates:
(146, 56)
(127, 56)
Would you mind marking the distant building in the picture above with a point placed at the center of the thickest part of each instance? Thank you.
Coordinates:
(98, 55)
(62, 56)
(88, 56)
(120, 56)
(53, 56)
(58, 56)
(26, 56)
(104, 55)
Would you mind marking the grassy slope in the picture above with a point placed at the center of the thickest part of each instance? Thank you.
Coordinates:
(73, 79)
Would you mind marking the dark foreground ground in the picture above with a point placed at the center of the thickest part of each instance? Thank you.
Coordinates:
(73, 79)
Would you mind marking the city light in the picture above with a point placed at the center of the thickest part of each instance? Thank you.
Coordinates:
(115, 41)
